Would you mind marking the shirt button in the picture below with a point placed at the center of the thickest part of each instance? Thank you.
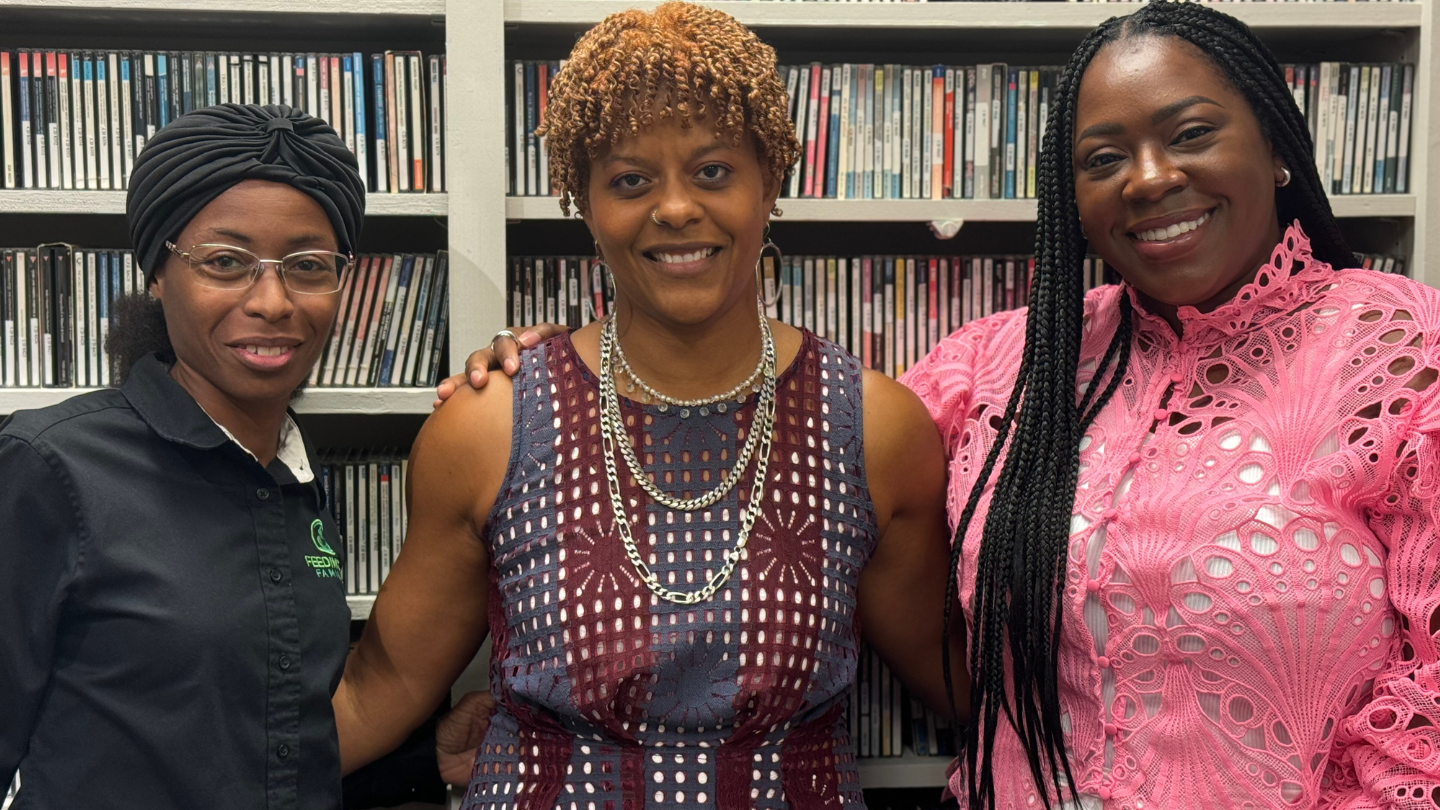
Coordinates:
(1160, 413)
(1111, 730)
(283, 751)
(1108, 515)
(275, 575)
(284, 662)
(1134, 458)
(1103, 662)
(1093, 585)
(263, 494)
(1177, 378)
(1104, 794)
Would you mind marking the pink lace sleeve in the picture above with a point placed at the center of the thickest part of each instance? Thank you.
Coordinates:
(1387, 754)
(942, 380)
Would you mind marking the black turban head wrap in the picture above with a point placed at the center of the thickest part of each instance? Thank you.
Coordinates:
(200, 155)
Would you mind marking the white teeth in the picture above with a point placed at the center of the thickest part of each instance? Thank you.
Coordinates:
(1161, 234)
(266, 351)
(685, 258)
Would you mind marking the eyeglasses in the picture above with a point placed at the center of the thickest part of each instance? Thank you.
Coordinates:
(224, 267)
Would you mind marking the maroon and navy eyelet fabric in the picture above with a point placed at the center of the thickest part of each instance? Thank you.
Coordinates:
(612, 699)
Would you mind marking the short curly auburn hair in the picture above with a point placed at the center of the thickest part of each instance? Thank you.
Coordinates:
(699, 63)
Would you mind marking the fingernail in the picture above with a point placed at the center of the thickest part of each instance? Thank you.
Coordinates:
(510, 365)
(529, 339)
(475, 378)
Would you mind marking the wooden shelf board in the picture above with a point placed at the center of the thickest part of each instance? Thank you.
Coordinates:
(361, 401)
(49, 201)
(971, 14)
(812, 210)
(409, 8)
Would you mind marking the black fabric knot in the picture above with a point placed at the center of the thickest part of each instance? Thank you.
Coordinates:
(200, 155)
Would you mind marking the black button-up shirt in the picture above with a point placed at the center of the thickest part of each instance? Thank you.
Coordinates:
(172, 619)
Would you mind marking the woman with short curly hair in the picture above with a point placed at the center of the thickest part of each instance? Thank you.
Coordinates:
(676, 520)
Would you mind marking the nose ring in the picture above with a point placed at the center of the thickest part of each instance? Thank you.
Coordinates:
(653, 218)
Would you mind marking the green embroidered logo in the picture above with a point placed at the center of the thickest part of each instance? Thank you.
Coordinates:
(326, 567)
(317, 535)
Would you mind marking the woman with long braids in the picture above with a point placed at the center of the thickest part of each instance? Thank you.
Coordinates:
(1196, 531)
(675, 521)
(1195, 513)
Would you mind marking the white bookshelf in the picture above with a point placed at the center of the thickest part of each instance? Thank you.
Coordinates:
(347, 7)
(358, 401)
(1076, 16)
(360, 605)
(818, 210)
(49, 201)
(1409, 26)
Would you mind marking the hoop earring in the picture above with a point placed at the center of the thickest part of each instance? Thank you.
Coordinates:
(1285, 170)
(768, 301)
(599, 267)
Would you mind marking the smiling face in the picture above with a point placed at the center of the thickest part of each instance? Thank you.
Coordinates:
(694, 260)
(256, 345)
(1174, 179)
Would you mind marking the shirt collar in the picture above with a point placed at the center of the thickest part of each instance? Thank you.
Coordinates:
(1288, 280)
(174, 414)
(290, 452)
(167, 407)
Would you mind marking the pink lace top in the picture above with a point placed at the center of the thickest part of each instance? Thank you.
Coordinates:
(1253, 600)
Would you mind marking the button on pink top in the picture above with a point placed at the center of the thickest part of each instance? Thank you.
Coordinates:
(1254, 626)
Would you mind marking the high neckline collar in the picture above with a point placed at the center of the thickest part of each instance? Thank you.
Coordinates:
(1281, 284)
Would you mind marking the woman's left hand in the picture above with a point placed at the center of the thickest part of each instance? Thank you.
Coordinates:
(498, 356)
(459, 733)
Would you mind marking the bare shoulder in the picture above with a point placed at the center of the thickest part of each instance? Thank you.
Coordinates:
(466, 417)
(904, 459)
(462, 452)
(893, 411)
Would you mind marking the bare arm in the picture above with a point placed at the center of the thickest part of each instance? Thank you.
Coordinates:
(902, 590)
(430, 615)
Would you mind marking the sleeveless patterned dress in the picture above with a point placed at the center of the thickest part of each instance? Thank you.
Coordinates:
(612, 699)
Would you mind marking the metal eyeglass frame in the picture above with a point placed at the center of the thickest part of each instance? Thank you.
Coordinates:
(260, 266)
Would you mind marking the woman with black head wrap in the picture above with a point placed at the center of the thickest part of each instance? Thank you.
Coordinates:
(172, 618)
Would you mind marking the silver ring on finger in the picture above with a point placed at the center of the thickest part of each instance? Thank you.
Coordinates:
(505, 333)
